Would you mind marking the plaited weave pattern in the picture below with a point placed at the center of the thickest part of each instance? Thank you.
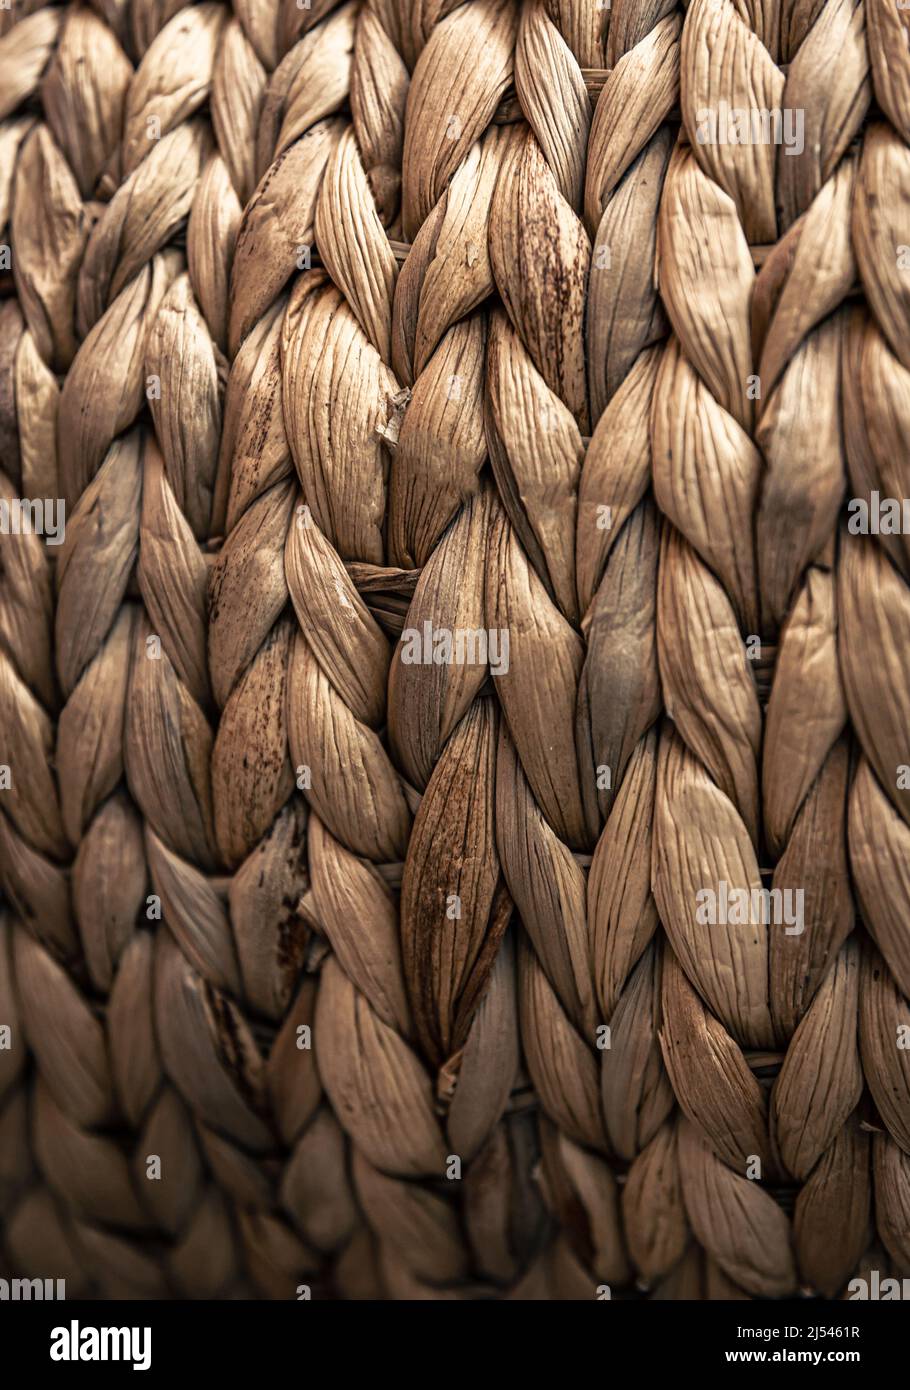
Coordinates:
(459, 433)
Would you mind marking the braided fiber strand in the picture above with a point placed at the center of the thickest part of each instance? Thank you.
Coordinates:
(242, 984)
(452, 1049)
(119, 724)
(712, 423)
(872, 598)
(573, 580)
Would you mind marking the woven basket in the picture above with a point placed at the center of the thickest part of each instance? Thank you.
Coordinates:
(455, 647)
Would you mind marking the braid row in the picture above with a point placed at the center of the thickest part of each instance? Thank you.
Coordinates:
(872, 604)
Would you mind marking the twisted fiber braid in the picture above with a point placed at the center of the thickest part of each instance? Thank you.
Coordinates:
(630, 150)
(309, 389)
(164, 738)
(272, 1143)
(47, 230)
(752, 482)
(416, 1020)
(572, 576)
(872, 599)
(243, 983)
(27, 398)
(814, 977)
(714, 986)
(133, 739)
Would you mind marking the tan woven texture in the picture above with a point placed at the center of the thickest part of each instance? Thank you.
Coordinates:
(458, 433)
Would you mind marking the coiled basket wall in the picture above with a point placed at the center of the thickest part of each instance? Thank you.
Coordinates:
(455, 648)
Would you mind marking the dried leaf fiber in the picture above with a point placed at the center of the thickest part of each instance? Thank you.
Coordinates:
(454, 716)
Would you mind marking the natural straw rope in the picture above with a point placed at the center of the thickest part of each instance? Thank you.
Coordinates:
(334, 325)
(738, 448)
(418, 1073)
(49, 227)
(233, 1008)
(874, 604)
(780, 999)
(132, 741)
(572, 576)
